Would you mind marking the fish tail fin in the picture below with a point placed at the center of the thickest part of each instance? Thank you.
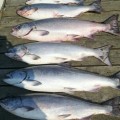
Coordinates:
(96, 6)
(115, 104)
(114, 26)
(103, 54)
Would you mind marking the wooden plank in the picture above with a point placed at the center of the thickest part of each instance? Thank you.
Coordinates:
(11, 11)
(11, 21)
(22, 2)
(10, 63)
(15, 2)
(110, 7)
(15, 20)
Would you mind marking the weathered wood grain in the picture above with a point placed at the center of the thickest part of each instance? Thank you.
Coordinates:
(11, 12)
(12, 21)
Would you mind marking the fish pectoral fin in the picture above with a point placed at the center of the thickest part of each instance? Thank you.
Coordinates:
(64, 116)
(42, 32)
(25, 108)
(33, 82)
(33, 56)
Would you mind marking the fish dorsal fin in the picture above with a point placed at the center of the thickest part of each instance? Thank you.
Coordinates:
(32, 82)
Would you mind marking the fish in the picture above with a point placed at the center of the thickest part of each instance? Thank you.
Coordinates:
(64, 29)
(81, 2)
(57, 107)
(60, 79)
(44, 11)
(56, 53)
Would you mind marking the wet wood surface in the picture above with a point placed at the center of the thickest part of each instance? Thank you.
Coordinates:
(9, 18)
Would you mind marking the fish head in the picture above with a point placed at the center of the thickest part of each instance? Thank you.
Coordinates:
(16, 77)
(26, 11)
(17, 52)
(21, 30)
(11, 103)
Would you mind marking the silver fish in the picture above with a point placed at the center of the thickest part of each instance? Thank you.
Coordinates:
(57, 107)
(43, 11)
(64, 29)
(29, 2)
(53, 78)
(49, 53)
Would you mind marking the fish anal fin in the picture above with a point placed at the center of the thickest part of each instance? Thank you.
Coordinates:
(73, 36)
(69, 90)
(32, 82)
(96, 88)
(87, 118)
(64, 116)
(57, 15)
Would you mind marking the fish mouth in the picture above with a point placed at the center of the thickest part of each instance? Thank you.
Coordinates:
(22, 12)
(13, 56)
(14, 29)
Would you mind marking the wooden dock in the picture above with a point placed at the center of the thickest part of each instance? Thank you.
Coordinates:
(9, 18)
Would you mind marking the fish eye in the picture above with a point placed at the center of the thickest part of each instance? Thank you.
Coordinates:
(18, 27)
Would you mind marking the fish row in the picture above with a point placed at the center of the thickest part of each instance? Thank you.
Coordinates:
(53, 23)
(57, 79)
